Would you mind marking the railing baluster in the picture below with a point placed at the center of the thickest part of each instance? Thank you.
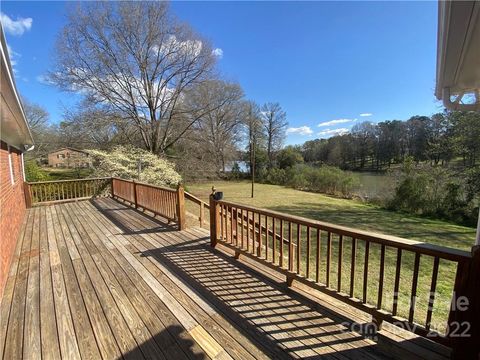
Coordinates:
(241, 228)
(266, 237)
(221, 223)
(307, 272)
(299, 240)
(248, 231)
(274, 245)
(381, 276)
(396, 286)
(281, 243)
(259, 249)
(227, 220)
(329, 255)
(319, 238)
(340, 261)
(236, 227)
(231, 226)
(414, 288)
(365, 271)
(352, 266)
(433, 287)
(290, 247)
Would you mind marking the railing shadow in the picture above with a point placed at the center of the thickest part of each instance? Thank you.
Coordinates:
(279, 322)
(113, 215)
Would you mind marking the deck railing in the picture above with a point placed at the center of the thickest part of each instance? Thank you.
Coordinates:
(166, 202)
(355, 266)
(163, 201)
(199, 207)
(65, 190)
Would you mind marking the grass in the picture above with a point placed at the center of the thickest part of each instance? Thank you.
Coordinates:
(366, 217)
(65, 173)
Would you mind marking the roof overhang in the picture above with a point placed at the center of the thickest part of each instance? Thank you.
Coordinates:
(458, 55)
(14, 128)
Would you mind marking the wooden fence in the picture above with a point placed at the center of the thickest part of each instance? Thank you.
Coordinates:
(65, 190)
(304, 250)
(163, 201)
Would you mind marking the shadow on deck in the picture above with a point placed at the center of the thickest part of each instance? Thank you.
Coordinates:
(121, 284)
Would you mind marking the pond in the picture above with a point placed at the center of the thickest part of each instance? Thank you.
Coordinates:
(375, 185)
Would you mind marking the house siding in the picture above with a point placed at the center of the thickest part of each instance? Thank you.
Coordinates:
(68, 158)
(12, 208)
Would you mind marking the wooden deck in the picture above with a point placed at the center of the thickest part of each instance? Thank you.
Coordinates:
(97, 279)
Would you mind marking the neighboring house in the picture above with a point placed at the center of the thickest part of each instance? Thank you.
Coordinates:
(69, 158)
(15, 139)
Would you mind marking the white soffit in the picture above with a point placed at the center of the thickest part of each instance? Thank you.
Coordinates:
(458, 55)
(14, 128)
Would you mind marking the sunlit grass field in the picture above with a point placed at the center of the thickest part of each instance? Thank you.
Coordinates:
(365, 217)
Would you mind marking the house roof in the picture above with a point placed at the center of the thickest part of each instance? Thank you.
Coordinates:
(68, 148)
(458, 55)
(13, 122)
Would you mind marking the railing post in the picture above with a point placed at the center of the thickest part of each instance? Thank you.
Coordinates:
(464, 319)
(28, 195)
(135, 194)
(214, 219)
(112, 188)
(181, 207)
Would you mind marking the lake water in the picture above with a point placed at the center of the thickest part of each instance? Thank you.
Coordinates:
(374, 185)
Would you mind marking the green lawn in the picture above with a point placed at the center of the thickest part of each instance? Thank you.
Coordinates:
(366, 217)
(66, 174)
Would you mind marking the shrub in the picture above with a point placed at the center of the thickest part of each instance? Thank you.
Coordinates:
(122, 162)
(33, 172)
(324, 179)
(436, 192)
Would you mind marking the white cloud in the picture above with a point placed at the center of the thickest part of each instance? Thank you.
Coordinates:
(302, 130)
(42, 79)
(218, 52)
(335, 122)
(366, 114)
(15, 27)
(13, 58)
(332, 132)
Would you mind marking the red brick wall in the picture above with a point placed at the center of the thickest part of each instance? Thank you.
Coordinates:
(12, 208)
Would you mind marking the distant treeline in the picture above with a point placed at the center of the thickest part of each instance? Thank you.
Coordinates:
(437, 139)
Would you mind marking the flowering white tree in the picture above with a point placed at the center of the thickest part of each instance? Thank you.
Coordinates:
(122, 162)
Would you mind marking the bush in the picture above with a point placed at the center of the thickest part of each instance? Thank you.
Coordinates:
(122, 162)
(324, 179)
(33, 172)
(235, 172)
(436, 192)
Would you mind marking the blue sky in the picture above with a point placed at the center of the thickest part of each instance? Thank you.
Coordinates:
(326, 63)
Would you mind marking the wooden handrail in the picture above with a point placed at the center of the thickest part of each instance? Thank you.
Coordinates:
(65, 190)
(388, 240)
(146, 184)
(202, 207)
(282, 241)
(65, 181)
(160, 200)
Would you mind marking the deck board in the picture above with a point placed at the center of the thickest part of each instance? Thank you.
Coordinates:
(98, 279)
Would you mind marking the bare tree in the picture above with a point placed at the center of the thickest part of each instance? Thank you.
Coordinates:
(36, 115)
(275, 124)
(255, 135)
(136, 59)
(218, 131)
(44, 134)
(91, 126)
